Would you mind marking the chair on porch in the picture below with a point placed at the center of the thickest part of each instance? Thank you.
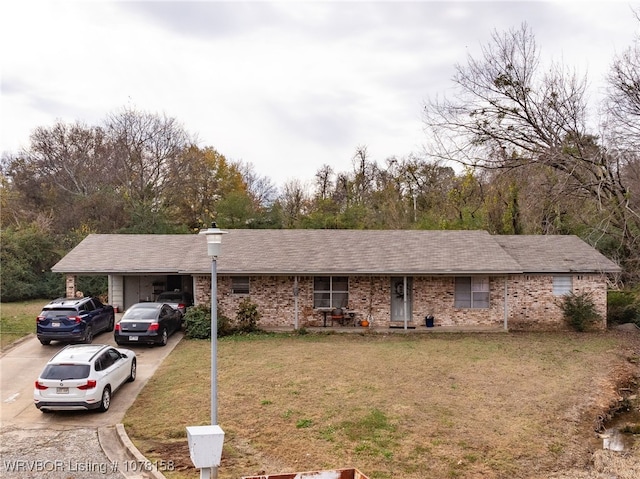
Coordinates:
(343, 317)
(337, 314)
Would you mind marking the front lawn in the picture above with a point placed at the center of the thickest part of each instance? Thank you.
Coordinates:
(18, 320)
(516, 405)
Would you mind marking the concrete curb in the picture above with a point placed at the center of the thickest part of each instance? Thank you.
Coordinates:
(120, 450)
(16, 343)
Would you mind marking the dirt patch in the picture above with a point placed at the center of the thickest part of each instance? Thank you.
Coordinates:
(242, 456)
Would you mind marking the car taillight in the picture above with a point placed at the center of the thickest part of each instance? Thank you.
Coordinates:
(153, 327)
(118, 327)
(91, 383)
(77, 319)
(181, 306)
(40, 386)
(40, 318)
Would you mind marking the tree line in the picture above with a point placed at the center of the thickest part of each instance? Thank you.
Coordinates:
(516, 150)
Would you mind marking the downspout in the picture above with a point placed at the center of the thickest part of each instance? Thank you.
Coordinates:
(506, 309)
(404, 300)
(295, 296)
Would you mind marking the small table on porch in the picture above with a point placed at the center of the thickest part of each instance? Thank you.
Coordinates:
(351, 315)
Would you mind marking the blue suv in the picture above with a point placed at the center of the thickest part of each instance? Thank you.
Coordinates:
(74, 319)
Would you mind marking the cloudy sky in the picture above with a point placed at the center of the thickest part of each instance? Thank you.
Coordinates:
(287, 86)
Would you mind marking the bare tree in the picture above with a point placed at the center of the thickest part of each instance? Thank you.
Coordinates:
(323, 181)
(623, 101)
(65, 174)
(72, 157)
(510, 113)
(295, 203)
(260, 188)
(145, 147)
(364, 172)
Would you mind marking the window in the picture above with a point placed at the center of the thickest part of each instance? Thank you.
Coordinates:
(562, 285)
(240, 284)
(66, 371)
(104, 362)
(471, 292)
(330, 291)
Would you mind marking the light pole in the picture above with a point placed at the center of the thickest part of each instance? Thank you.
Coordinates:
(214, 244)
(205, 442)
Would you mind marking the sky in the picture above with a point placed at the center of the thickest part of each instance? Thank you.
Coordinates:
(285, 86)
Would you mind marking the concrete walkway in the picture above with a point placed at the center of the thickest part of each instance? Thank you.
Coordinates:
(392, 330)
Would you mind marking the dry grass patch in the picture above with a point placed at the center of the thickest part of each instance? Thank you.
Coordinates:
(410, 406)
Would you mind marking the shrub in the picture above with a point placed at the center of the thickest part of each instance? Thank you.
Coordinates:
(623, 307)
(247, 316)
(579, 311)
(197, 323)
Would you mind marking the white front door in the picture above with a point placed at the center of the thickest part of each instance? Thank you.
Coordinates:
(401, 298)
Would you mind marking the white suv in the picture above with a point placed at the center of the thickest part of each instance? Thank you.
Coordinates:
(83, 376)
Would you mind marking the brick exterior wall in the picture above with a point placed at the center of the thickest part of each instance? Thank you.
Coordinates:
(70, 286)
(531, 303)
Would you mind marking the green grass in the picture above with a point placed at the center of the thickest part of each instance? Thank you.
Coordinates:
(18, 320)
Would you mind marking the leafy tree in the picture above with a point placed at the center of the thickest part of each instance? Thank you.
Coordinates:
(27, 255)
(200, 179)
(236, 210)
(252, 205)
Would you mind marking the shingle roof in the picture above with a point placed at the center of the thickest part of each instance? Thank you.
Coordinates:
(299, 252)
(555, 254)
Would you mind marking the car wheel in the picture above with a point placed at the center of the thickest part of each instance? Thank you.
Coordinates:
(164, 337)
(134, 368)
(112, 323)
(105, 402)
(88, 337)
(45, 342)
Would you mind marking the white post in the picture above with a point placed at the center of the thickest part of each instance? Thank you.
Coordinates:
(295, 296)
(214, 342)
(506, 308)
(404, 301)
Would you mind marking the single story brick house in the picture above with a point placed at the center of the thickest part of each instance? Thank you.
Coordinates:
(392, 278)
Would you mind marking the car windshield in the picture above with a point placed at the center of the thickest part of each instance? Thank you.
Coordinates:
(66, 371)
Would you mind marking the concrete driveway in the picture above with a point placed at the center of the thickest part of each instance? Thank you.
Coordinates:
(64, 445)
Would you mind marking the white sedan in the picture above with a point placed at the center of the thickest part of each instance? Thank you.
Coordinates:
(83, 376)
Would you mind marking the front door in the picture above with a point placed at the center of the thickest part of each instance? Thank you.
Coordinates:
(401, 298)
